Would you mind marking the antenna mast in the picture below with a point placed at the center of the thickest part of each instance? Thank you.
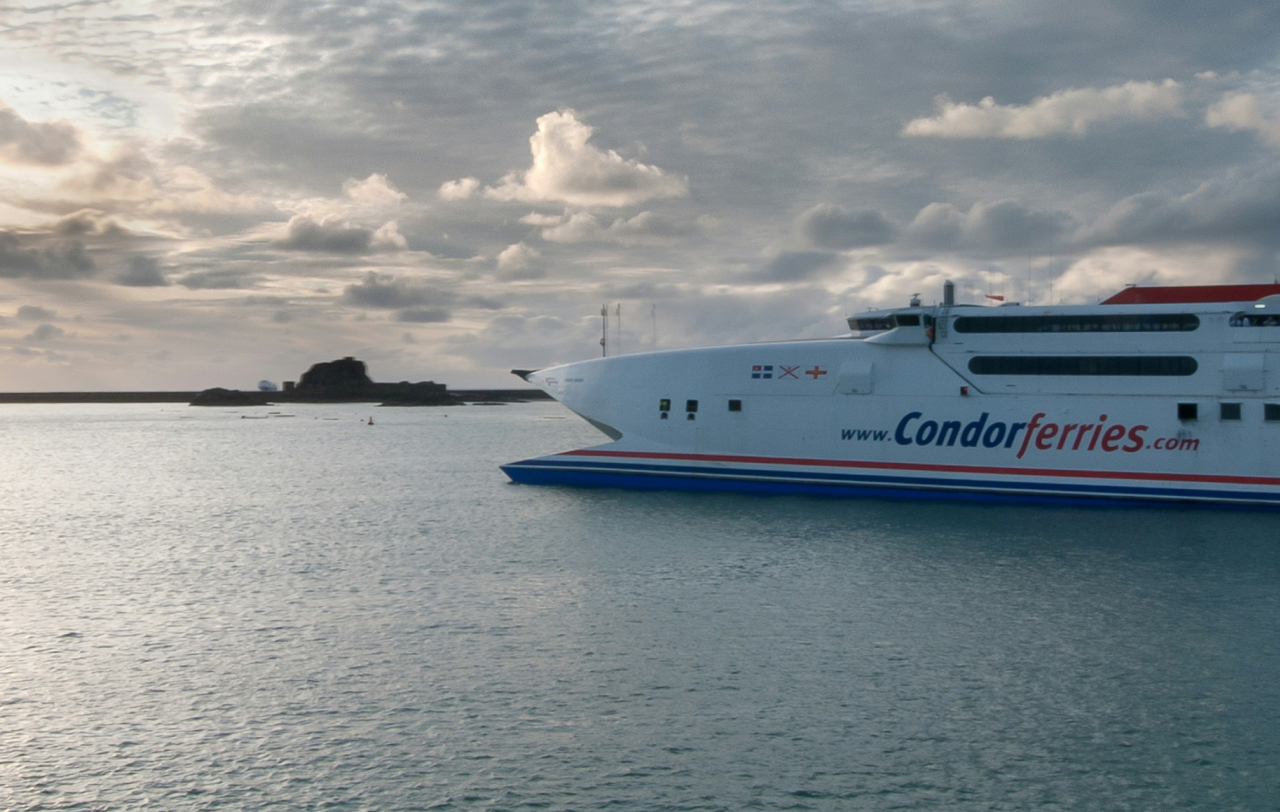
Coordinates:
(604, 330)
(617, 344)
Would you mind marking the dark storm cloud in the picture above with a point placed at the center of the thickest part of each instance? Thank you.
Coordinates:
(833, 228)
(143, 272)
(61, 259)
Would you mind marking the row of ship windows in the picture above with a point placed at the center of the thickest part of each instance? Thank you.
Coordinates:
(1109, 365)
(1229, 411)
(1186, 411)
(1093, 323)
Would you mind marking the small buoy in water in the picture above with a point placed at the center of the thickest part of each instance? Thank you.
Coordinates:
(370, 420)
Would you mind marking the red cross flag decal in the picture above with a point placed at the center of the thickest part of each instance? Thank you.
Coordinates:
(816, 372)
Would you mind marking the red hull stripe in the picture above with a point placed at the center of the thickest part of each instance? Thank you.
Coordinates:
(912, 466)
(1190, 294)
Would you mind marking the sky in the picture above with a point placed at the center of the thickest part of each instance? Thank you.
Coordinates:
(198, 194)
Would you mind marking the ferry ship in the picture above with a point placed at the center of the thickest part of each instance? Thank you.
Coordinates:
(1157, 394)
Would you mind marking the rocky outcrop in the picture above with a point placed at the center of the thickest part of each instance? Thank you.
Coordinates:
(218, 396)
(334, 380)
(343, 381)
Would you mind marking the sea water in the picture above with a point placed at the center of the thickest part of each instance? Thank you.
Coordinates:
(290, 608)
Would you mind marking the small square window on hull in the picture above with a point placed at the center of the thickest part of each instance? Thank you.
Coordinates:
(1188, 411)
(1229, 411)
(735, 405)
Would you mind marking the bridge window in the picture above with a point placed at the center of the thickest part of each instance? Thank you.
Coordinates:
(1108, 365)
(1091, 323)
(1246, 319)
(873, 324)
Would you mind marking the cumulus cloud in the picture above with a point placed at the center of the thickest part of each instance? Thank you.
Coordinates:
(1067, 112)
(374, 190)
(1241, 111)
(833, 228)
(64, 259)
(998, 227)
(567, 169)
(516, 257)
(645, 227)
(88, 223)
(386, 292)
(795, 266)
(336, 236)
(44, 332)
(35, 313)
(1240, 208)
(53, 143)
(460, 189)
(143, 272)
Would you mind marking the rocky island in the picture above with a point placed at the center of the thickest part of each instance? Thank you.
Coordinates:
(347, 381)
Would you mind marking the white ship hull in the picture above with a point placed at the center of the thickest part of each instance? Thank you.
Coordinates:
(1170, 415)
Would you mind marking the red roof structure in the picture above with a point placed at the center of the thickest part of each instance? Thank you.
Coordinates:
(1188, 294)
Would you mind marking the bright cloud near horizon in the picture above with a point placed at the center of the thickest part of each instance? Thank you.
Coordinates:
(224, 192)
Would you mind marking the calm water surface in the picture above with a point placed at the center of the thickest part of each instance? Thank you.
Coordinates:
(201, 611)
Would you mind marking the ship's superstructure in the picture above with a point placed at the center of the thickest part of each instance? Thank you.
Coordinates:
(1154, 394)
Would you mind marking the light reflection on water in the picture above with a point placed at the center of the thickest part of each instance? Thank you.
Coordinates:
(206, 612)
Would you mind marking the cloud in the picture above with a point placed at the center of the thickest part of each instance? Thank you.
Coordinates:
(44, 332)
(373, 191)
(424, 315)
(143, 272)
(34, 313)
(460, 189)
(645, 227)
(516, 257)
(1067, 112)
(1241, 111)
(1239, 208)
(833, 228)
(566, 169)
(999, 227)
(53, 143)
(335, 236)
(90, 223)
(389, 293)
(64, 259)
(795, 266)
(221, 279)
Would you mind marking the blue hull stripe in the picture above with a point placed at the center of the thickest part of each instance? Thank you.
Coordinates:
(689, 477)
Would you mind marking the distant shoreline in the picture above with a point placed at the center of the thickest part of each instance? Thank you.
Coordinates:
(470, 395)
